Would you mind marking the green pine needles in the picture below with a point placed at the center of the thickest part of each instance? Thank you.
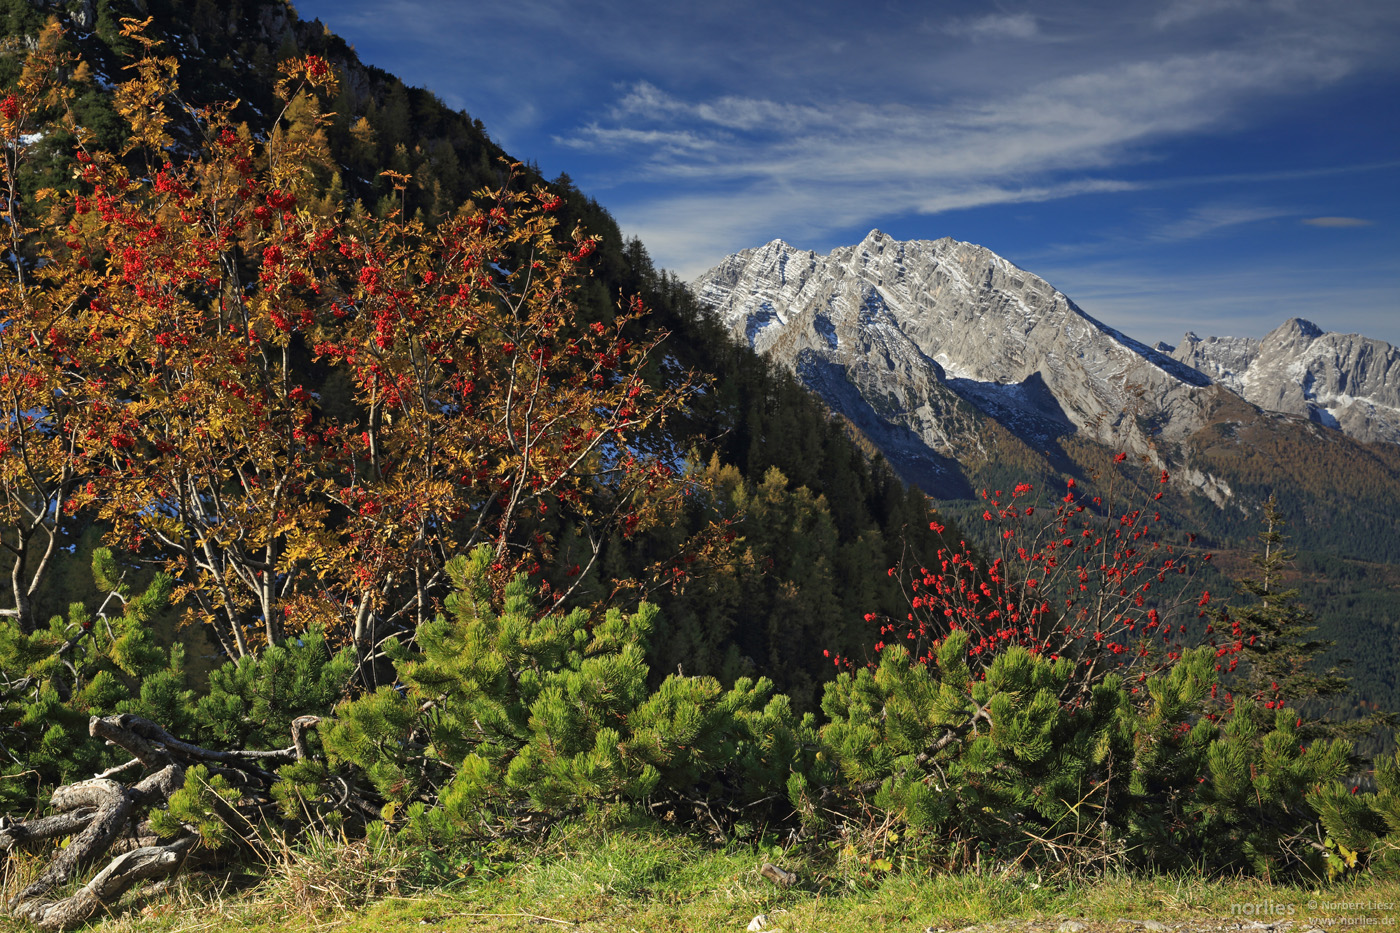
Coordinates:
(87, 663)
(1003, 766)
(502, 710)
(506, 705)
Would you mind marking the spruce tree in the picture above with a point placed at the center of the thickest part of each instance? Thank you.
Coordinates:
(1278, 649)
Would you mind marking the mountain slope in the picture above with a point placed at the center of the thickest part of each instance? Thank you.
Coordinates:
(755, 431)
(925, 340)
(964, 369)
(1343, 381)
(967, 373)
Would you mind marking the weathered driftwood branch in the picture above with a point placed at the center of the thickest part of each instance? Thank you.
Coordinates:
(152, 744)
(107, 818)
(110, 883)
(300, 727)
(60, 824)
(116, 805)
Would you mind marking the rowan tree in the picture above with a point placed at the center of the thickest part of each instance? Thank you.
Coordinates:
(202, 298)
(484, 404)
(196, 443)
(1086, 577)
(41, 421)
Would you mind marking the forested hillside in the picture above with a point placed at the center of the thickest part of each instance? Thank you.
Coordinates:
(806, 478)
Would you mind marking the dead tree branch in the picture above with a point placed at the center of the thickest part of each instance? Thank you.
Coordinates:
(107, 819)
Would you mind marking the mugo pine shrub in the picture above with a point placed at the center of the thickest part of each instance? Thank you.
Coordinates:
(1049, 708)
(506, 706)
(90, 662)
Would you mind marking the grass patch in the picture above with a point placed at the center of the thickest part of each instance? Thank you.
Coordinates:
(645, 878)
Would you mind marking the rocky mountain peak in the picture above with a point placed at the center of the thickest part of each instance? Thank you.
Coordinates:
(917, 341)
(1305, 328)
(1295, 333)
(1223, 359)
(1343, 381)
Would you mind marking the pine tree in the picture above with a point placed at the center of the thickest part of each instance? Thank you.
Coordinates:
(1252, 809)
(1278, 652)
(996, 762)
(506, 703)
(252, 701)
(88, 662)
(1362, 824)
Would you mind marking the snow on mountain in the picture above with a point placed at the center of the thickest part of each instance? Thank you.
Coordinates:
(1343, 381)
(917, 341)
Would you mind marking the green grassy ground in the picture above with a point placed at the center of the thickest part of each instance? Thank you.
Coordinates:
(646, 880)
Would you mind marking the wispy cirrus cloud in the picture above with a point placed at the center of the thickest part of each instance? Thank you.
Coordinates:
(662, 143)
(689, 225)
(1185, 11)
(1338, 222)
(1203, 129)
(1212, 218)
(995, 26)
(1079, 121)
(772, 166)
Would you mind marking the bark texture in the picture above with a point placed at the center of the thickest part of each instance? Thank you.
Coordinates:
(107, 819)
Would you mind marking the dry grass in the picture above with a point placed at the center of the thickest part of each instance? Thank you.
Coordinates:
(323, 875)
(649, 879)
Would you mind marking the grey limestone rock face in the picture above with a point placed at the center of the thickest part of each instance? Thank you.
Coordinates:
(917, 341)
(1343, 381)
(1224, 359)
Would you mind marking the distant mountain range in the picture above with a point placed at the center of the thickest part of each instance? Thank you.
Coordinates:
(921, 344)
(1344, 381)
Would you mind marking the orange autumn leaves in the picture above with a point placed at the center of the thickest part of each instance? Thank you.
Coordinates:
(305, 413)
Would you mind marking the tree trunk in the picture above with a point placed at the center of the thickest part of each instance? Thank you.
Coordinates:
(108, 819)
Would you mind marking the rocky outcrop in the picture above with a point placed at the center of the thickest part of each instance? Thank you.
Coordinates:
(1223, 359)
(1343, 381)
(918, 342)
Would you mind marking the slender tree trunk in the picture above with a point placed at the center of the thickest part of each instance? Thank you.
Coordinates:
(24, 606)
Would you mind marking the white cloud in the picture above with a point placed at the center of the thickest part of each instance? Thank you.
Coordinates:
(1203, 221)
(982, 195)
(996, 26)
(1185, 11)
(1338, 222)
(658, 142)
(688, 234)
(645, 99)
(749, 168)
(1086, 120)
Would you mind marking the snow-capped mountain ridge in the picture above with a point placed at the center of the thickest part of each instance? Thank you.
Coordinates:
(923, 335)
(1344, 381)
(917, 341)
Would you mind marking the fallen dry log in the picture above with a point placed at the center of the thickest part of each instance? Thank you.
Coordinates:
(108, 819)
(49, 827)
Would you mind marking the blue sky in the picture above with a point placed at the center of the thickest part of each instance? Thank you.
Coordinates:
(1207, 165)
